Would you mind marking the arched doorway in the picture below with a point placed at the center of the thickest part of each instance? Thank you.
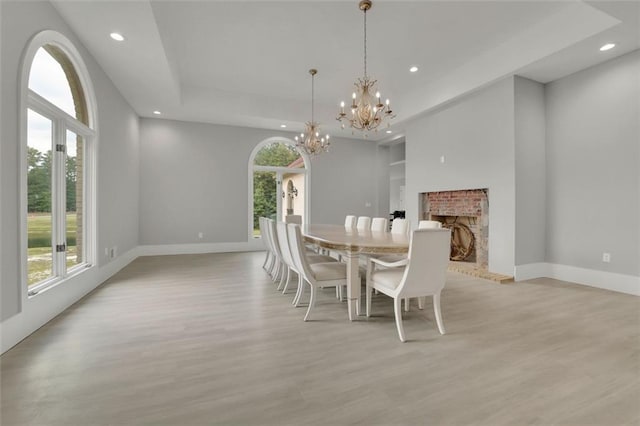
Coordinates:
(278, 182)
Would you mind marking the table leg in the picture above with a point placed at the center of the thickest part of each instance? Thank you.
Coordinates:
(353, 284)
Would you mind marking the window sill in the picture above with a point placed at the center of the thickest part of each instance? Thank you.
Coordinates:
(56, 281)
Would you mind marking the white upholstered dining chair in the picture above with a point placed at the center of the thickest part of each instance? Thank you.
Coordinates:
(363, 223)
(379, 224)
(277, 267)
(422, 274)
(350, 221)
(268, 259)
(318, 275)
(287, 259)
(400, 226)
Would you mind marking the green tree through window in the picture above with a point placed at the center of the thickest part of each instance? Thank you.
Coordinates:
(276, 154)
(265, 182)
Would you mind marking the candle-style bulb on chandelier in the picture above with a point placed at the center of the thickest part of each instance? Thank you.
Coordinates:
(367, 111)
(310, 141)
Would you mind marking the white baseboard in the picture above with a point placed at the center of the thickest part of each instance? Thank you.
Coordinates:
(38, 310)
(169, 249)
(621, 283)
(531, 270)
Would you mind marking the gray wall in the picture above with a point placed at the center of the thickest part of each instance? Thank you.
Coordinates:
(117, 168)
(194, 178)
(384, 187)
(593, 182)
(561, 162)
(476, 136)
(530, 171)
(345, 181)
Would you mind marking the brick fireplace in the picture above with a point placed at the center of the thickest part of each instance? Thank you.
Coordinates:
(466, 210)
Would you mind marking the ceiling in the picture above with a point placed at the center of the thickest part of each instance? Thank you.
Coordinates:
(246, 63)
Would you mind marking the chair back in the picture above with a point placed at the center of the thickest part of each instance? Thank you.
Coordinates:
(350, 222)
(263, 237)
(429, 224)
(428, 257)
(283, 243)
(379, 224)
(293, 218)
(273, 239)
(364, 223)
(298, 254)
(264, 233)
(400, 226)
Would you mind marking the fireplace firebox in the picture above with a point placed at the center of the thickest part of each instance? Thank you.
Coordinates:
(466, 213)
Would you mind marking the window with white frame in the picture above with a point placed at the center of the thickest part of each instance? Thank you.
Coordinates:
(59, 140)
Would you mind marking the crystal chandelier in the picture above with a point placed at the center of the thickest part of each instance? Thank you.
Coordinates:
(310, 141)
(367, 111)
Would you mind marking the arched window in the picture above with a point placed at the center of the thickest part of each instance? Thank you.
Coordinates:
(58, 142)
(278, 179)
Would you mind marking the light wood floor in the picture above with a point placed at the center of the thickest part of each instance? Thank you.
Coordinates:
(206, 339)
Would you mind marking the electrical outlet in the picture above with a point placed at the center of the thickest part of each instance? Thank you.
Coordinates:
(200, 235)
(606, 257)
(442, 159)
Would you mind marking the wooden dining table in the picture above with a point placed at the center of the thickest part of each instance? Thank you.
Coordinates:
(352, 243)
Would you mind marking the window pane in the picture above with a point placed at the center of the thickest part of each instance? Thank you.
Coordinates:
(47, 78)
(74, 189)
(39, 200)
(264, 198)
(279, 154)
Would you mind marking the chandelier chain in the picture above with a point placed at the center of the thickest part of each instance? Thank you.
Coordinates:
(312, 94)
(365, 43)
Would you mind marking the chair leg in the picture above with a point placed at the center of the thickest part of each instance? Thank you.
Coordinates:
(367, 289)
(272, 263)
(341, 292)
(300, 291)
(397, 308)
(266, 259)
(286, 282)
(283, 276)
(314, 291)
(421, 302)
(406, 304)
(295, 296)
(276, 271)
(438, 312)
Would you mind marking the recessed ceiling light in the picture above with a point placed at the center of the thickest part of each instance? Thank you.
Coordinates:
(117, 36)
(283, 125)
(607, 46)
(156, 112)
(389, 131)
(413, 69)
